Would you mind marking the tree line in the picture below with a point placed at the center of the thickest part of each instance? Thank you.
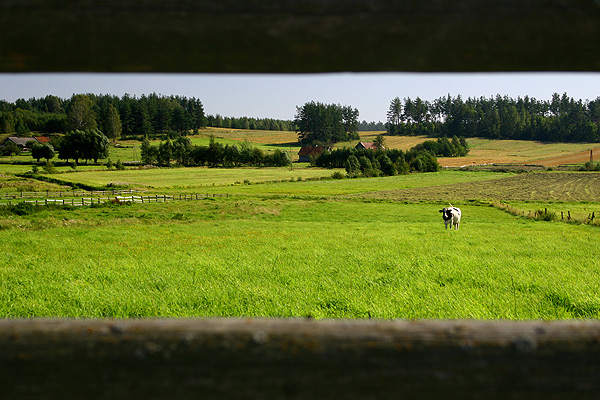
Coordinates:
(260, 124)
(371, 126)
(561, 119)
(181, 152)
(126, 116)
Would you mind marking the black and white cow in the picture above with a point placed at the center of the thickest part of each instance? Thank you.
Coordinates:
(451, 216)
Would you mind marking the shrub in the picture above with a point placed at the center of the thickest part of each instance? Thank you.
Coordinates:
(21, 209)
(544, 215)
(338, 175)
(49, 168)
(590, 166)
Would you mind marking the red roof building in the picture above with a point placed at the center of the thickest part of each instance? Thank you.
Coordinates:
(306, 152)
(42, 139)
(366, 146)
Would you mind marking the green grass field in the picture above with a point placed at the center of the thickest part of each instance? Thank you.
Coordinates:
(294, 243)
(354, 248)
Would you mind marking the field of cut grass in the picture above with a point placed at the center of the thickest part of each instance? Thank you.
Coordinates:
(282, 258)
(538, 186)
(487, 151)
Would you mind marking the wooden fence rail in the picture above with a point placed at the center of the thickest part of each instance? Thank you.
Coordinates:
(88, 201)
(63, 193)
(298, 359)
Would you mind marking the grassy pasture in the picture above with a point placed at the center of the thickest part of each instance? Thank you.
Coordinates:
(341, 259)
(290, 246)
(231, 180)
(185, 178)
(328, 257)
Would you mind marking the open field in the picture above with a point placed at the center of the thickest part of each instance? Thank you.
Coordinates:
(287, 243)
(197, 177)
(234, 257)
(273, 180)
(307, 249)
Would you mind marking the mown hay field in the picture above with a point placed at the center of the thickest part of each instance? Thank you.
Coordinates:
(487, 151)
(534, 186)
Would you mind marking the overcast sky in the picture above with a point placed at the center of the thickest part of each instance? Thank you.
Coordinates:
(277, 96)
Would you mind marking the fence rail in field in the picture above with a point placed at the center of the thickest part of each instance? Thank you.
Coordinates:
(63, 193)
(88, 201)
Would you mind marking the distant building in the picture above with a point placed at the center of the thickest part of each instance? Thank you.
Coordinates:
(42, 139)
(306, 152)
(21, 142)
(367, 146)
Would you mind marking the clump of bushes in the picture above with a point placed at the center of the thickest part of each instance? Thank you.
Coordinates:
(181, 152)
(373, 163)
(590, 166)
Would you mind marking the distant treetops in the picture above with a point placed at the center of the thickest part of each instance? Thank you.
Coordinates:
(562, 119)
(319, 124)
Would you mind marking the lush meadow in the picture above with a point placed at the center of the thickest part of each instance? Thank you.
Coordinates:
(352, 248)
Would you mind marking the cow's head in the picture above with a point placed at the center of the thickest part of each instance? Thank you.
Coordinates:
(446, 213)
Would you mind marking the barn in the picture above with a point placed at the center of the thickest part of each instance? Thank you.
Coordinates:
(21, 142)
(308, 152)
(367, 146)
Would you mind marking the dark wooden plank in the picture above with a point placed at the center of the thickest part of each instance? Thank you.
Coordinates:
(299, 35)
(301, 359)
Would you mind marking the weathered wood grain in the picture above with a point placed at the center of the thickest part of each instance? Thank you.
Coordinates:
(299, 35)
(300, 359)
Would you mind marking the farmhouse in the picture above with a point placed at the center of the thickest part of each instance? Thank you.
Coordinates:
(21, 142)
(306, 152)
(367, 146)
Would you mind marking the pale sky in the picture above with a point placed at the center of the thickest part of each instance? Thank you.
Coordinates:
(277, 96)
